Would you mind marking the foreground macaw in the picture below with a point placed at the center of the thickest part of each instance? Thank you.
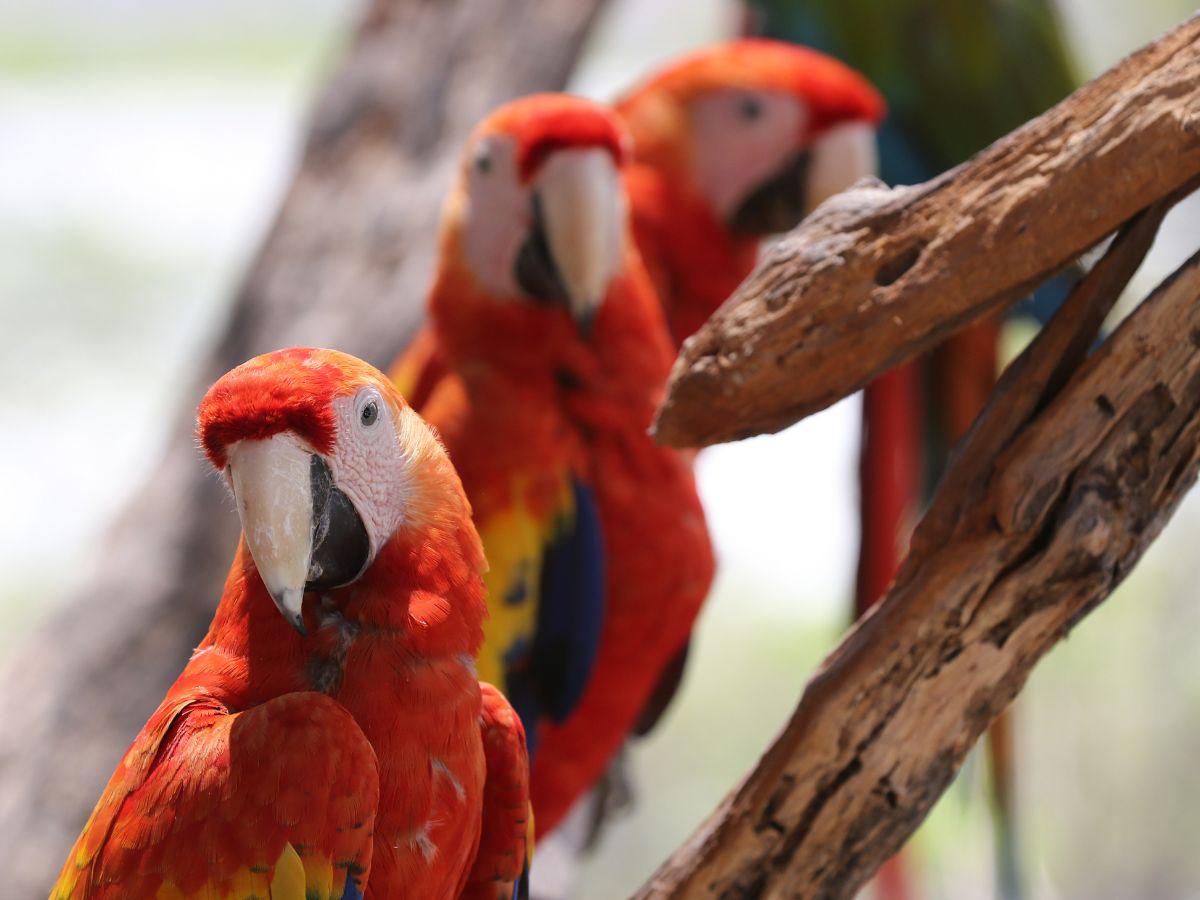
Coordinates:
(328, 738)
(957, 76)
(551, 355)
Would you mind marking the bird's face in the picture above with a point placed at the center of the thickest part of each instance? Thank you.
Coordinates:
(325, 461)
(762, 131)
(762, 165)
(540, 206)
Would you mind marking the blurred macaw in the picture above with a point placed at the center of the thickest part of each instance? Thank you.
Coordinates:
(731, 144)
(328, 737)
(957, 76)
(541, 367)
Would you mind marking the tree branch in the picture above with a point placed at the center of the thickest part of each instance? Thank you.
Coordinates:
(875, 276)
(1066, 478)
(346, 265)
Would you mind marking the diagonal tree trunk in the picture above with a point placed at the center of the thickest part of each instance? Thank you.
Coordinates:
(345, 265)
(1061, 485)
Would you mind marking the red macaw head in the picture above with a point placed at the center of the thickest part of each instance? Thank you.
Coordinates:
(326, 463)
(761, 130)
(535, 230)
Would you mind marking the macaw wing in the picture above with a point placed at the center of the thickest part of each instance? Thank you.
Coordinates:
(546, 595)
(664, 692)
(275, 801)
(571, 606)
(501, 867)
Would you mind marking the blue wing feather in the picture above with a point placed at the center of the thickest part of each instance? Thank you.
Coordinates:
(521, 888)
(351, 890)
(570, 608)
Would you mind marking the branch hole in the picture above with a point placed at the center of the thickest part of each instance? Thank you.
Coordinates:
(1106, 406)
(892, 270)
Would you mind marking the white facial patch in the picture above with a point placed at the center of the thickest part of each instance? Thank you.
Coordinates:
(740, 139)
(497, 216)
(369, 465)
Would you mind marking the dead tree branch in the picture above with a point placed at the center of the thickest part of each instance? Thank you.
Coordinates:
(1063, 482)
(877, 275)
(346, 265)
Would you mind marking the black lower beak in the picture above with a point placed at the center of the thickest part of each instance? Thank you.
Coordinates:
(341, 546)
(776, 205)
(536, 272)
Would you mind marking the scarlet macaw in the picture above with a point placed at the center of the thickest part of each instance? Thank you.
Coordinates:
(542, 365)
(699, 220)
(328, 737)
(731, 144)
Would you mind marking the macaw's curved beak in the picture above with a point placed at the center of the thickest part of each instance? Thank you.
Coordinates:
(303, 533)
(574, 245)
(837, 159)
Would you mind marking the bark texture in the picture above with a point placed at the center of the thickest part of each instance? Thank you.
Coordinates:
(1062, 483)
(345, 265)
(875, 276)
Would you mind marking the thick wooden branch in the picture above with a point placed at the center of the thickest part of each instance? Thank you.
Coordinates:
(875, 275)
(346, 265)
(1062, 484)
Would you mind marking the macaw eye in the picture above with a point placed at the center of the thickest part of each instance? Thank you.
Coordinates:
(483, 161)
(750, 109)
(369, 414)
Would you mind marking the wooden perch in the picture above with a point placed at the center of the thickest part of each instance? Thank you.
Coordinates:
(346, 265)
(1063, 482)
(874, 276)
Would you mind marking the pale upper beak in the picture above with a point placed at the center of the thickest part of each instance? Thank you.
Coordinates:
(841, 156)
(273, 491)
(582, 206)
(303, 533)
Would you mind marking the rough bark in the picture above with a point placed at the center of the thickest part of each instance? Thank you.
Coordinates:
(875, 276)
(1062, 483)
(345, 265)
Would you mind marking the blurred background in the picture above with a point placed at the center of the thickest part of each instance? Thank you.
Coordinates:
(143, 149)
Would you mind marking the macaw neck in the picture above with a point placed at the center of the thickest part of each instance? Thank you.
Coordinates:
(623, 363)
(696, 262)
(424, 593)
